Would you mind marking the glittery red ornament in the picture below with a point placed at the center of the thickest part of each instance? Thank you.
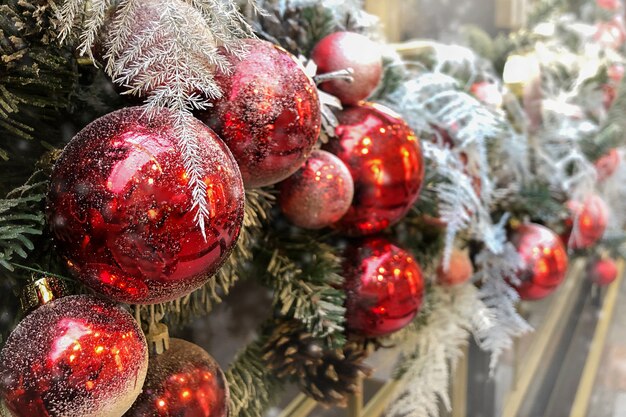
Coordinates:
(458, 271)
(269, 115)
(343, 50)
(319, 193)
(121, 210)
(588, 222)
(607, 164)
(385, 159)
(183, 381)
(544, 261)
(384, 287)
(75, 356)
(603, 271)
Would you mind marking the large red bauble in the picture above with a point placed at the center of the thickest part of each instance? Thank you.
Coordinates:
(603, 271)
(384, 287)
(343, 50)
(588, 222)
(121, 208)
(319, 193)
(385, 159)
(75, 356)
(544, 261)
(269, 115)
(183, 381)
(607, 164)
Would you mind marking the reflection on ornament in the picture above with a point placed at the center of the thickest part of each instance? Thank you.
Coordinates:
(587, 222)
(121, 207)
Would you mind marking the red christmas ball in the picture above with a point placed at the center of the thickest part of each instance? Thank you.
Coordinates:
(611, 5)
(269, 115)
(607, 164)
(588, 222)
(183, 381)
(384, 287)
(319, 193)
(385, 159)
(121, 208)
(611, 34)
(488, 93)
(544, 261)
(603, 271)
(343, 50)
(459, 270)
(75, 356)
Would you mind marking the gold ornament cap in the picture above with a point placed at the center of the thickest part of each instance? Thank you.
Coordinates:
(41, 291)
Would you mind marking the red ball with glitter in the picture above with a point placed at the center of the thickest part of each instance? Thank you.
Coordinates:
(319, 193)
(183, 381)
(269, 114)
(544, 260)
(384, 287)
(348, 50)
(121, 207)
(603, 271)
(587, 223)
(385, 159)
(75, 356)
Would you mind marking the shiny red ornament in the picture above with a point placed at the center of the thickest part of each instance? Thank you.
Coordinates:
(458, 271)
(544, 261)
(588, 222)
(385, 159)
(603, 271)
(611, 5)
(319, 193)
(348, 50)
(611, 34)
(488, 92)
(269, 114)
(75, 356)
(184, 381)
(121, 211)
(384, 287)
(607, 164)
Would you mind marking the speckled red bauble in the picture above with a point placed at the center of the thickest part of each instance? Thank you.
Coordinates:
(75, 356)
(319, 193)
(385, 159)
(544, 261)
(348, 50)
(588, 222)
(603, 271)
(183, 381)
(384, 287)
(458, 271)
(607, 164)
(269, 115)
(121, 212)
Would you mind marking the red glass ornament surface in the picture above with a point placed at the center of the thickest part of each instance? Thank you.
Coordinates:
(384, 287)
(319, 193)
(603, 272)
(121, 212)
(458, 271)
(75, 356)
(269, 115)
(385, 159)
(184, 381)
(544, 261)
(588, 222)
(344, 50)
(607, 164)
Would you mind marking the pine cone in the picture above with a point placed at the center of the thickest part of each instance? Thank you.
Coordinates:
(327, 376)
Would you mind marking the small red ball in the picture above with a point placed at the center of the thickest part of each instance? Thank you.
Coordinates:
(385, 159)
(607, 164)
(603, 272)
(343, 50)
(384, 287)
(269, 115)
(75, 356)
(544, 261)
(121, 212)
(459, 271)
(611, 5)
(183, 381)
(588, 222)
(319, 193)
